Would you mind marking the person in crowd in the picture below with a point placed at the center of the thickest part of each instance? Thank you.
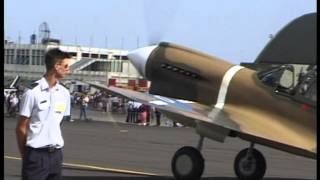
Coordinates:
(142, 115)
(129, 112)
(83, 107)
(72, 106)
(14, 102)
(147, 113)
(158, 116)
(8, 101)
(72, 99)
(135, 114)
(109, 103)
(104, 101)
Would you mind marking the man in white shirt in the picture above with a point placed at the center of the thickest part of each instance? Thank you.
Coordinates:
(38, 132)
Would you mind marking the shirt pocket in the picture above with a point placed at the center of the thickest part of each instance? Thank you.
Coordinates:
(43, 110)
(43, 105)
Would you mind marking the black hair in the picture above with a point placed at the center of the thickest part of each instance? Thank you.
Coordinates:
(53, 56)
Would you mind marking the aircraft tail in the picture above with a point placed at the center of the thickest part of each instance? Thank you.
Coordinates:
(295, 43)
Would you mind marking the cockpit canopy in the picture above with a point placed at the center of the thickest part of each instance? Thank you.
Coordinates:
(298, 82)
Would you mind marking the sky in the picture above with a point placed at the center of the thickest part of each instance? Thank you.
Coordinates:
(233, 30)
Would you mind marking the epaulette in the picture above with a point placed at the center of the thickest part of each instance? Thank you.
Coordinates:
(64, 85)
(33, 85)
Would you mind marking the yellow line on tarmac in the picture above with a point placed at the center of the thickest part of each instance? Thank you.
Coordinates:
(10, 157)
(96, 168)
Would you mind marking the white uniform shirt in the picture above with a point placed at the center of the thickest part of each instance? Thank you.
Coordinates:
(46, 108)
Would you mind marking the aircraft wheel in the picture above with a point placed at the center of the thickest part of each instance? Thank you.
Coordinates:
(251, 167)
(187, 164)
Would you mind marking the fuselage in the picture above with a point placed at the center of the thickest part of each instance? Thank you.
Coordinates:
(263, 116)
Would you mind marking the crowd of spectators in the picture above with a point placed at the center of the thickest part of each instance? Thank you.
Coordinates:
(104, 102)
(99, 101)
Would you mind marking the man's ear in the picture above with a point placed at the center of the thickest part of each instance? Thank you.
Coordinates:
(56, 67)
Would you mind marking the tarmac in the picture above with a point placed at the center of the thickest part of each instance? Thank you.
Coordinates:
(108, 148)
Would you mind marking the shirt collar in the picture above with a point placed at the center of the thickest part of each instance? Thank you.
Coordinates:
(45, 85)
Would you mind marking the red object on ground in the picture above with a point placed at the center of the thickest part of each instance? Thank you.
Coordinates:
(112, 82)
(143, 83)
(132, 83)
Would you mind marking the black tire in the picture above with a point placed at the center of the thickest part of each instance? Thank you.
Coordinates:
(252, 171)
(192, 161)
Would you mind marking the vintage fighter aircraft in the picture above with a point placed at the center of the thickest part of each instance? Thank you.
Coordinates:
(227, 100)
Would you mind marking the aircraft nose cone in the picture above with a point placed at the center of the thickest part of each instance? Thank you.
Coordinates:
(139, 58)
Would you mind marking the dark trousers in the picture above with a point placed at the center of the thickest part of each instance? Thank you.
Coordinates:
(158, 120)
(42, 164)
(83, 112)
(128, 117)
(133, 117)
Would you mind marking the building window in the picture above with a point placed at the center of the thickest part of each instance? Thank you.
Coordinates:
(94, 55)
(72, 54)
(85, 55)
(7, 59)
(108, 66)
(22, 59)
(113, 66)
(38, 60)
(42, 60)
(116, 66)
(103, 56)
(26, 60)
(11, 59)
(116, 57)
(120, 66)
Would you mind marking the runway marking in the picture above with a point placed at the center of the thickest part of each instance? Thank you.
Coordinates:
(97, 168)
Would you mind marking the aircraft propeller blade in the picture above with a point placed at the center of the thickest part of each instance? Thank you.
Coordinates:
(158, 19)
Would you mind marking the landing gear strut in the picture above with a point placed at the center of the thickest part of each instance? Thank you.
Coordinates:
(250, 164)
(188, 163)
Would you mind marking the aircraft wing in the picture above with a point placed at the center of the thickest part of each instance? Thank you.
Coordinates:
(214, 123)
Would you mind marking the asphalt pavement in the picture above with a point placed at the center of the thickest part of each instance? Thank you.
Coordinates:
(107, 148)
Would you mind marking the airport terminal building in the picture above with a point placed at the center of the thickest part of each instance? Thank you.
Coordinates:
(88, 63)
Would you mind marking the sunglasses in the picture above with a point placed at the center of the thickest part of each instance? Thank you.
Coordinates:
(65, 66)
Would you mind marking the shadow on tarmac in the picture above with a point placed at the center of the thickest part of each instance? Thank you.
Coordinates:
(153, 178)
(156, 178)
(137, 177)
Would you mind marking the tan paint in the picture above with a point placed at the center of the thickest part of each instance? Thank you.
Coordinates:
(259, 111)
(250, 105)
(174, 84)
